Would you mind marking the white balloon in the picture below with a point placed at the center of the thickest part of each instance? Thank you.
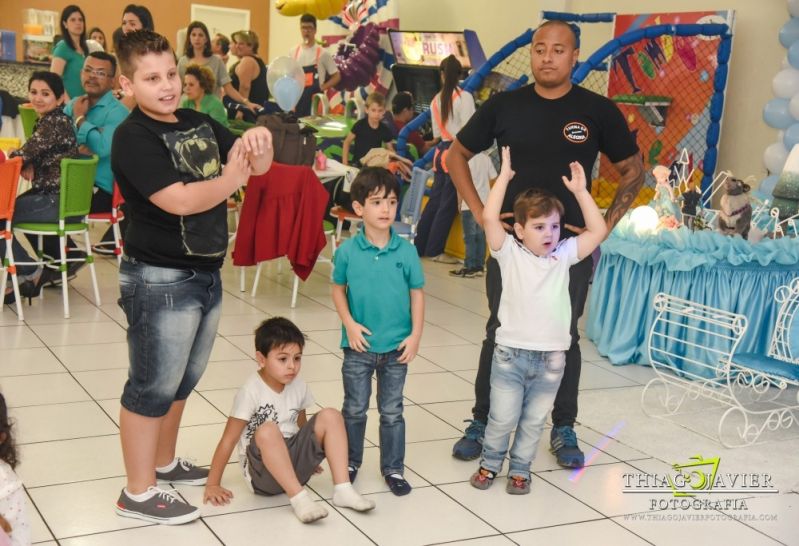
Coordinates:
(786, 83)
(774, 157)
(793, 8)
(793, 107)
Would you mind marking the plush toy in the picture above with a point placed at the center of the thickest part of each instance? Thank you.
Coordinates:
(690, 201)
(735, 212)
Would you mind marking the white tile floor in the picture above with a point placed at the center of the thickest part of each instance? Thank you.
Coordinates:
(63, 378)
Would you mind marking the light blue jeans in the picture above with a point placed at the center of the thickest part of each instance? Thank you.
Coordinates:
(357, 371)
(523, 388)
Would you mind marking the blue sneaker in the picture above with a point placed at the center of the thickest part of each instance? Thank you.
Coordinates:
(353, 472)
(563, 443)
(470, 446)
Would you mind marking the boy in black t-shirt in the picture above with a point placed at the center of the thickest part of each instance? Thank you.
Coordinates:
(168, 164)
(369, 132)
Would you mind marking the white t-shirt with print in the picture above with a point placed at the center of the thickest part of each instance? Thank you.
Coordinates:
(535, 309)
(482, 169)
(307, 56)
(12, 505)
(257, 403)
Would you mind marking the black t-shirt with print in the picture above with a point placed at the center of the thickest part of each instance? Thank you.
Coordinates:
(147, 156)
(546, 135)
(367, 138)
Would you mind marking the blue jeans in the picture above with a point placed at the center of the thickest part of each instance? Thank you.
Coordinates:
(474, 238)
(173, 316)
(33, 206)
(523, 388)
(357, 371)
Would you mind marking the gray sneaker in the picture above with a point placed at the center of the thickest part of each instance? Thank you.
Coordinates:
(184, 473)
(517, 485)
(163, 507)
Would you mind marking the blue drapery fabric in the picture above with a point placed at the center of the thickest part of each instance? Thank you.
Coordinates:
(728, 273)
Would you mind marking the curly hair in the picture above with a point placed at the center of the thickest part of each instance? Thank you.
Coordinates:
(8, 450)
(204, 76)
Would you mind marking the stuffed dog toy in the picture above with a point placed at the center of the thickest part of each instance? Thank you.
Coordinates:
(735, 214)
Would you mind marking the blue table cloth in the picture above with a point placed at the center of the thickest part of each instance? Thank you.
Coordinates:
(706, 267)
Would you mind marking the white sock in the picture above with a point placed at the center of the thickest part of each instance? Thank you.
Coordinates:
(306, 509)
(345, 496)
(168, 467)
(141, 497)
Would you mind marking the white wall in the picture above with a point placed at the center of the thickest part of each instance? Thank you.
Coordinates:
(756, 58)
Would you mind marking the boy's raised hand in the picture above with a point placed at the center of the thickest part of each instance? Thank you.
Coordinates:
(217, 495)
(409, 348)
(505, 171)
(257, 140)
(355, 336)
(577, 182)
(237, 166)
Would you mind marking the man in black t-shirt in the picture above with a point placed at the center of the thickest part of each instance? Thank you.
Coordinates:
(546, 125)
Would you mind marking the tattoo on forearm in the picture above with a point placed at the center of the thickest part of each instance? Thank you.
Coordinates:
(632, 178)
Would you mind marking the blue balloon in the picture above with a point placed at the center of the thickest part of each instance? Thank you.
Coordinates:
(287, 92)
(793, 54)
(791, 137)
(777, 114)
(767, 185)
(789, 33)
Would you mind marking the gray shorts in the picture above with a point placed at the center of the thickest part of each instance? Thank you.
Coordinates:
(304, 451)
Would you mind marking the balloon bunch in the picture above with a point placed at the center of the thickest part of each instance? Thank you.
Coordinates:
(357, 59)
(285, 80)
(782, 112)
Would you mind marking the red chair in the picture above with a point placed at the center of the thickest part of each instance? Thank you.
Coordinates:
(9, 182)
(113, 217)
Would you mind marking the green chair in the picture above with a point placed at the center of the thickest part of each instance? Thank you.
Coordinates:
(28, 116)
(75, 200)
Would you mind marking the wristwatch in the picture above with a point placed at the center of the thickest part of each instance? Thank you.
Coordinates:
(79, 120)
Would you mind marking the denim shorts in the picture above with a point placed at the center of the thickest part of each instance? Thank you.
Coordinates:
(173, 316)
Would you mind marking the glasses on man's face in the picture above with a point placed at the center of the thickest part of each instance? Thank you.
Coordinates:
(97, 72)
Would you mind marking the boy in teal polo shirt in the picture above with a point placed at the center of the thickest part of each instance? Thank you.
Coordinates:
(378, 295)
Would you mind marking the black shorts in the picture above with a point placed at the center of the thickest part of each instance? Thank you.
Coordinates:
(304, 451)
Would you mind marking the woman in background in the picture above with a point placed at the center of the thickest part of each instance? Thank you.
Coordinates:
(53, 139)
(96, 34)
(197, 50)
(70, 52)
(198, 87)
(450, 110)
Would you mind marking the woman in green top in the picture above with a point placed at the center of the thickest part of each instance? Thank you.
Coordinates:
(198, 87)
(69, 54)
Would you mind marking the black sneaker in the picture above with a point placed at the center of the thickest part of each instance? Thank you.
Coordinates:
(353, 472)
(471, 445)
(563, 443)
(163, 507)
(398, 485)
(184, 473)
(463, 272)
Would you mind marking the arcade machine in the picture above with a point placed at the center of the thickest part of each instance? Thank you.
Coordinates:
(418, 56)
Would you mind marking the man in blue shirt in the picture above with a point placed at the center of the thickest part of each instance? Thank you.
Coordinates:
(96, 116)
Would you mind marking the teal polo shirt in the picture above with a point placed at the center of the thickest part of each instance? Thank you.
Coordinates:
(97, 133)
(72, 68)
(379, 281)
